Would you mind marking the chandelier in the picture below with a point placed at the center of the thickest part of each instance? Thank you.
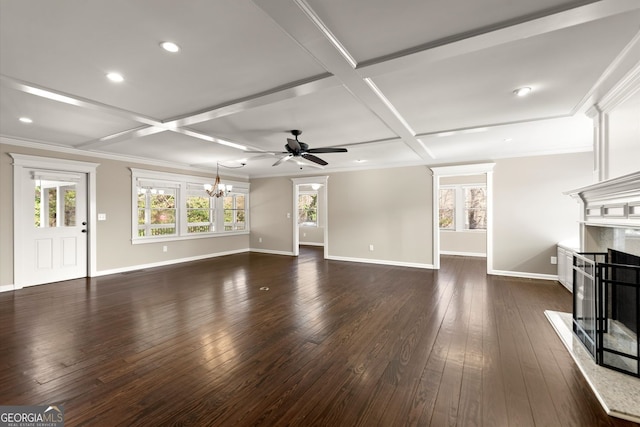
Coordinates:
(218, 189)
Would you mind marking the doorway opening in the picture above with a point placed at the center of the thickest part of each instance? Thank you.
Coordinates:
(463, 211)
(310, 222)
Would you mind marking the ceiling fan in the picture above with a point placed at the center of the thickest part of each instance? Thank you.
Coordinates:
(297, 148)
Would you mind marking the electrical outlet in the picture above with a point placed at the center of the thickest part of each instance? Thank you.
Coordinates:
(554, 260)
(288, 214)
(259, 239)
(304, 234)
(371, 248)
(165, 248)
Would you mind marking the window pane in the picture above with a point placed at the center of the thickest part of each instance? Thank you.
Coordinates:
(239, 201)
(163, 216)
(163, 231)
(199, 214)
(475, 208)
(308, 209)
(447, 204)
(228, 202)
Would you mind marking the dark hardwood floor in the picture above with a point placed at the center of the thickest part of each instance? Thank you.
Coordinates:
(329, 344)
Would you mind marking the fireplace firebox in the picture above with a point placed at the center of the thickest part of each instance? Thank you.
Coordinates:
(606, 302)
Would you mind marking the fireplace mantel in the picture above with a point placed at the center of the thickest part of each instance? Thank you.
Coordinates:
(611, 203)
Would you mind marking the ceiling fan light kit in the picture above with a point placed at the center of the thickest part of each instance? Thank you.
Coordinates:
(296, 148)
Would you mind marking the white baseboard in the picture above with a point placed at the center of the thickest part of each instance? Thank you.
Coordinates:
(311, 244)
(524, 275)
(382, 262)
(269, 251)
(165, 263)
(7, 288)
(475, 254)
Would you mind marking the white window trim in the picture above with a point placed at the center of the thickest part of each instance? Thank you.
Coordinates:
(182, 183)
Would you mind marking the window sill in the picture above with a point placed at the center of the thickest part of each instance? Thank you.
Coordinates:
(159, 239)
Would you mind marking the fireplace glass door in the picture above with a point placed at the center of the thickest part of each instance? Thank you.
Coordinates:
(584, 298)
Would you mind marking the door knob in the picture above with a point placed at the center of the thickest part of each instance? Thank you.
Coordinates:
(84, 222)
(84, 231)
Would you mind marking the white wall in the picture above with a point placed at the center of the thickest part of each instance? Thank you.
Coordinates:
(624, 138)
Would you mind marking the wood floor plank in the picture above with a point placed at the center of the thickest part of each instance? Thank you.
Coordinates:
(330, 343)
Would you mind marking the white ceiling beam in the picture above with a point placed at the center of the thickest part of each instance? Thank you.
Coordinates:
(439, 50)
(65, 98)
(307, 29)
(289, 91)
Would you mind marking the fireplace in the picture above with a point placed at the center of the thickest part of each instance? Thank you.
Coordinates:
(606, 302)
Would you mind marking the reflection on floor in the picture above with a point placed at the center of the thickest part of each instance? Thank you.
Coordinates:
(619, 394)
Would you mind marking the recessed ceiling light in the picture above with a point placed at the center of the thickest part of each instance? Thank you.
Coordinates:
(25, 120)
(360, 161)
(508, 139)
(115, 77)
(170, 47)
(522, 91)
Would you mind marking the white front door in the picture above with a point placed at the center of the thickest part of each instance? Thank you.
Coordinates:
(53, 227)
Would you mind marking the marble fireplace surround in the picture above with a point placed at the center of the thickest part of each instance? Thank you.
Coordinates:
(610, 215)
(610, 219)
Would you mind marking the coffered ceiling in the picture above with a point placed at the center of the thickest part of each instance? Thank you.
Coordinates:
(397, 83)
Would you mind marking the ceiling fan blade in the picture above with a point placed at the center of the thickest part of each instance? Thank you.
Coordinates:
(293, 144)
(314, 159)
(327, 150)
(282, 159)
(266, 152)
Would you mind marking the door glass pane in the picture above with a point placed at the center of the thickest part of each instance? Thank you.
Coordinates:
(54, 204)
(52, 199)
(37, 205)
(69, 205)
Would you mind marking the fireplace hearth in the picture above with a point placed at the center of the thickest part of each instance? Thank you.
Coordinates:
(606, 302)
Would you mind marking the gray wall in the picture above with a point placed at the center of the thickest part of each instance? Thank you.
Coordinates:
(388, 208)
(271, 200)
(114, 248)
(311, 235)
(531, 215)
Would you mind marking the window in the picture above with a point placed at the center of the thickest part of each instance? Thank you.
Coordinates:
(170, 206)
(308, 209)
(475, 208)
(156, 211)
(234, 212)
(200, 210)
(447, 206)
(463, 207)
